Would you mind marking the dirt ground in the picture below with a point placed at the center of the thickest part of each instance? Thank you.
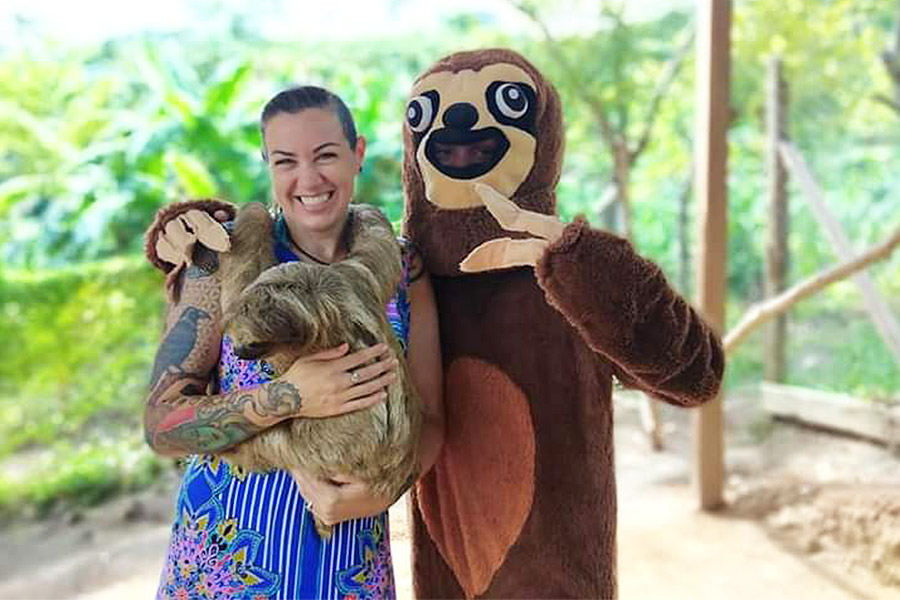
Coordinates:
(809, 515)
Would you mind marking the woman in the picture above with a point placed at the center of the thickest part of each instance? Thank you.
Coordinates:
(240, 535)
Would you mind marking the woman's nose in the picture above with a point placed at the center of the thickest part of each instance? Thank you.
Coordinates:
(308, 177)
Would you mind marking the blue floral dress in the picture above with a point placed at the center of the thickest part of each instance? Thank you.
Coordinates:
(251, 536)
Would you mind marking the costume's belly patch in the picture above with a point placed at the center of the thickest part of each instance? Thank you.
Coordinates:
(478, 496)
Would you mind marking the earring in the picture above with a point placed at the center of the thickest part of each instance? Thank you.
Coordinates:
(360, 169)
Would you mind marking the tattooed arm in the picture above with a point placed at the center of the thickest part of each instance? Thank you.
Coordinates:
(180, 418)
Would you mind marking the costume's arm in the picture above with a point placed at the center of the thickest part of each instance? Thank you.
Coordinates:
(626, 311)
(180, 417)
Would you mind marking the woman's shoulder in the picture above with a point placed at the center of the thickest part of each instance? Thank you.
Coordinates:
(413, 267)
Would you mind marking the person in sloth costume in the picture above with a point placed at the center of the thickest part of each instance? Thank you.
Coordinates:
(536, 318)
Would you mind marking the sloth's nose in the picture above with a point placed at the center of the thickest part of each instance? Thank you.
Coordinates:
(461, 115)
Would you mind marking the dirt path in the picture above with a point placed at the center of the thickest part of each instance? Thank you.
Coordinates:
(805, 521)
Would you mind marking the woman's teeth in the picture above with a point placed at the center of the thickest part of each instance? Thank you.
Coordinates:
(314, 200)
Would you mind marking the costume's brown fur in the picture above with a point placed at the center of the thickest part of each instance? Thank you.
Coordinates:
(522, 500)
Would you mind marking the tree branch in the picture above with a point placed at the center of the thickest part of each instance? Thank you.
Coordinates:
(763, 312)
(893, 105)
(896, 47)
(609, 197)
(670, 71)
(891, 59)
(594, 104)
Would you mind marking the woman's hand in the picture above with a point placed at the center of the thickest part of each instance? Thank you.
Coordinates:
(333, 382)
(340, 499)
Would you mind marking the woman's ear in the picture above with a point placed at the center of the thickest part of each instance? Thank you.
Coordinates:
(360, 151)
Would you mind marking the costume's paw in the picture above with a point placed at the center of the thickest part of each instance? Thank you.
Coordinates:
(177, 228)
(176, 242)
(504, 253)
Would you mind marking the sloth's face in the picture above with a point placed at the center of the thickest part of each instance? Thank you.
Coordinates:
(473, 126)
(313, 168)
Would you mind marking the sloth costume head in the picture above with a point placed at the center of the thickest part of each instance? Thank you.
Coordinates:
(485, 116)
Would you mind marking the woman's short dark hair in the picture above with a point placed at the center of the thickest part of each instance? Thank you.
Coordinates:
(296, 99)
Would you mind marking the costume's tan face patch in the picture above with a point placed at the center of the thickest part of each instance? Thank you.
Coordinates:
(473, 126)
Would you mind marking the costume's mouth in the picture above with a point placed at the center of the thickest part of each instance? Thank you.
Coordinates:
(466, 154)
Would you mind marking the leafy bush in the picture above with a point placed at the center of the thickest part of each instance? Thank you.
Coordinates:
(80, 343)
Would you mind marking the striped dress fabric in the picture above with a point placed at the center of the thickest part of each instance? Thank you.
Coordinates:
(251, 536)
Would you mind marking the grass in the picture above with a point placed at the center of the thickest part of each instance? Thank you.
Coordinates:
(66, 475)
(842, 352)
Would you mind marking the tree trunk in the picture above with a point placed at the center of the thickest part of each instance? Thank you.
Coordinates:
(623, 176)
(684, 253)
(776, 245)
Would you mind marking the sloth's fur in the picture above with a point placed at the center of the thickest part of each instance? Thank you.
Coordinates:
(282, 312)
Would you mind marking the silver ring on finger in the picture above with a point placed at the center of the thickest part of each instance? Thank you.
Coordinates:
(354, 377)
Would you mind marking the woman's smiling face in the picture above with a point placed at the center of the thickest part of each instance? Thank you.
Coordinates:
(313, 167)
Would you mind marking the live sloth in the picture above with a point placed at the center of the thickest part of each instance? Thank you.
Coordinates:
(281, 312)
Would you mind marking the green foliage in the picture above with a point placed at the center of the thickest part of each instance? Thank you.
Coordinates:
(81, 344)
(833, 345)
(96, 139)
(87, 171)
(73, 379)
(830, 51)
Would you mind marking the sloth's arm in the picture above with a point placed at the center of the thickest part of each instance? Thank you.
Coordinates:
(180, 416)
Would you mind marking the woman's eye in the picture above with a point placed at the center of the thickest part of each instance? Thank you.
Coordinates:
(326, 156)
(420, 113)
(511, 100)
(281, 162)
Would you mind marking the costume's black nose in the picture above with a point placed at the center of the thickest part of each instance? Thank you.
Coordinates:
(461, 115)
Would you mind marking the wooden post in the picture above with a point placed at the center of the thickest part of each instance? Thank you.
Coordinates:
(711, 147)
(776, 246)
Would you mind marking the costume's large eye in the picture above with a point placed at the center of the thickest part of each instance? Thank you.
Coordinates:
(513, 103)
(421, 110)
(511, 100)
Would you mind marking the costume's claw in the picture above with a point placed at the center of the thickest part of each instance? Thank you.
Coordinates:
(176, 243)
(208, 230)
(180, 238)
(166, 251)
(503, 253)
(513, 218)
